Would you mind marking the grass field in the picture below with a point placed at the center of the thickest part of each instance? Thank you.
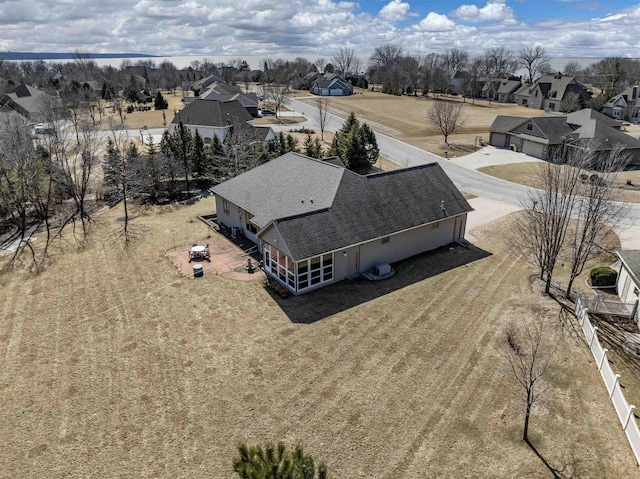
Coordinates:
(114, 365)
(525, 174)
(405, 118)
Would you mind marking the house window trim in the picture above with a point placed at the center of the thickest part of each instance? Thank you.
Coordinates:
(225, 206)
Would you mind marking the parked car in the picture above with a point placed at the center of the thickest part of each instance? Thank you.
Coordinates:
(267, 112)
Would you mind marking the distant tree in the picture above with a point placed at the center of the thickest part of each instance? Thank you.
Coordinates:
(160, 103)
(322, 114)
(386, 60)
(571, 102)
(446, 116)
(275, 462)
(572, 68)
(535, 61)
(277, 93)
(328, 68)
(343, 60)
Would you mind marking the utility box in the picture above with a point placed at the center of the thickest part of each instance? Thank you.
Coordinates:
(383, 269)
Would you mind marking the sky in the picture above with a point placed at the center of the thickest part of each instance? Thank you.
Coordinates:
(317, 28)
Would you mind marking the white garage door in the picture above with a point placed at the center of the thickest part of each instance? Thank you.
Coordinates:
(532, 149)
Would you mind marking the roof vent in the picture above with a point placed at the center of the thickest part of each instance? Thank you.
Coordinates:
(442, 208)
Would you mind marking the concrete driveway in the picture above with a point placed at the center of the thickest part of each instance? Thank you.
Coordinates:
(490, 156)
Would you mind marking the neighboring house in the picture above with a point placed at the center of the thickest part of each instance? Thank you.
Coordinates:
(309, 79)
(624, 106)
(264, 134)
(457, 81)
(548, 92)
(551, 136)
(248, 100)
(628, 284)
(24, 99)
(317, 223)
(507, 88)
(199, 86)
(331, 84)
(211, 117)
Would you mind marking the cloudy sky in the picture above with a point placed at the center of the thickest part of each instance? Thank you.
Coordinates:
(313, 28)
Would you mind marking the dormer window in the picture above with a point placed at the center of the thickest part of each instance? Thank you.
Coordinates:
(529, 126)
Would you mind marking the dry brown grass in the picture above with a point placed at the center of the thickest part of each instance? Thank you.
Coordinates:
(526, 174)
(150, 119)
(114, 365)
(405, 118)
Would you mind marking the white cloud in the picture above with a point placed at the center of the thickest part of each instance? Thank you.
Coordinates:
(257, 29)
(435, 22)
(493, 11)
(394, 11)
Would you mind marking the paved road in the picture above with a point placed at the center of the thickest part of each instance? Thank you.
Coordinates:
(466, 179)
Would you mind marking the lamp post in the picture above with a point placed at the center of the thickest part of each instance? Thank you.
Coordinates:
(141, 135)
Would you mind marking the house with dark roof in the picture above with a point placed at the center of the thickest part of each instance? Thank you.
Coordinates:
(25, 100)
(200, 85)
(628, 282)
(248, 100)
(331, 84)
(624, 106)
(316, 223)
(548, 92)
(552, 136)
(211, 117)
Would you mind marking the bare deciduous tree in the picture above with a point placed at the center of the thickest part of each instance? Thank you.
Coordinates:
(598, 208)
(277, 93)
(446, 116)
(565, 193)
(322, 114)
(535, 61)
(528, 350)
(343, 60)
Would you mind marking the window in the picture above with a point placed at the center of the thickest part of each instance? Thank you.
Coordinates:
(524, 101)
(314, 271)
(536, 95)
(250, 226)
(384, 240)
(552, 106)
(529, 126)
(225, 206)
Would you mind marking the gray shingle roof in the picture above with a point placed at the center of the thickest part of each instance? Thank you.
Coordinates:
(504, 124)
(369, 207)
(631, 259)
(212, 113)
(288, 185)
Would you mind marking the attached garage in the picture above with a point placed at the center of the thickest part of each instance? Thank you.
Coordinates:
(533, 149)
(498, 140)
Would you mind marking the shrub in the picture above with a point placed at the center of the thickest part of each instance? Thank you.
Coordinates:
(130, 109)
(603, 276)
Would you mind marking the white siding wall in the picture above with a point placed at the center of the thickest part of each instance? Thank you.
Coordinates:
(625, 280)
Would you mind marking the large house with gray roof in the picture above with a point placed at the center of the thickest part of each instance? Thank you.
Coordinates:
(25, 100)
(211, 117)
(551, 136)
(316, 222)
(331, 84)
(548, 92)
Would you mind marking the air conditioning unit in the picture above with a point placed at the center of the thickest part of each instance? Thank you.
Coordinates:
(383, 269)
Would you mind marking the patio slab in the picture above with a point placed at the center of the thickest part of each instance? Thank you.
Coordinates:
(226, 259)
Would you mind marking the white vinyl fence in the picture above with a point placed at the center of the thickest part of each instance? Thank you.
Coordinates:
(611, 380)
